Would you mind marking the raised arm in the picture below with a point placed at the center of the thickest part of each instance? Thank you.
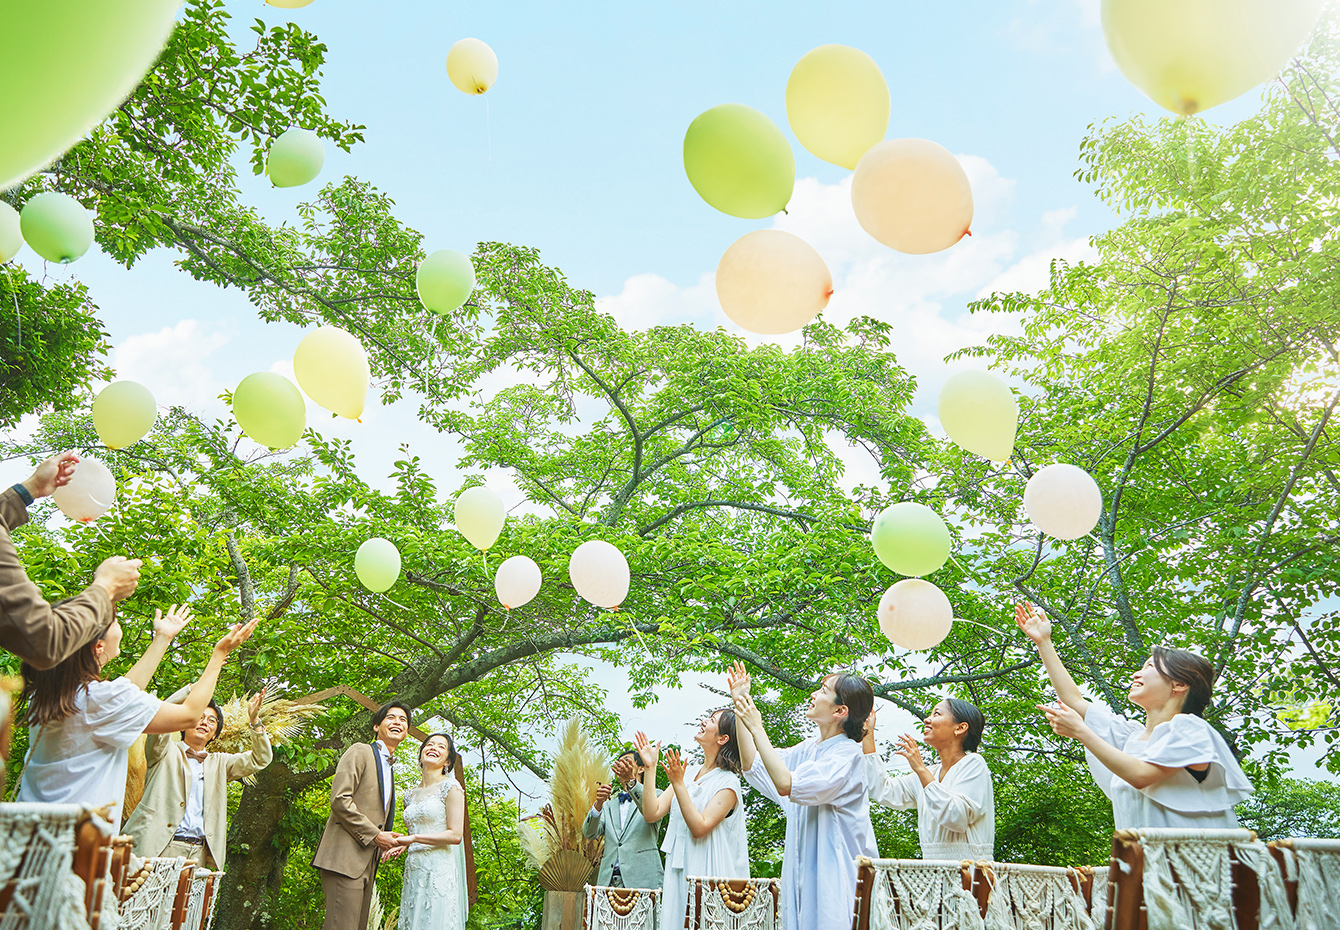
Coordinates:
(171, 717)
(700, 823)
(1038, 628)
(242, 764)
(166, 628)
(654, 806)
(738, 681)
(747, 712)
(1137, 773)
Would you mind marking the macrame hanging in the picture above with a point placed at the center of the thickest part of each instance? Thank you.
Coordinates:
(1035, 897)
(1098, 896)
(620, 908)
(36, 854)
(151, 894)
(204, 885)
(1316, 865)
(734, 904)
(912, 894)
(1188, 879)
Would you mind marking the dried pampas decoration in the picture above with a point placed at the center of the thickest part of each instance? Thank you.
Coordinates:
(553, 842)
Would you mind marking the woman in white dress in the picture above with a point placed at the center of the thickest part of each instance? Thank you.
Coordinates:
(820, 785)
(1173, 770)
(433, 895)
(955, 800)
(82, 726)
(706, 835)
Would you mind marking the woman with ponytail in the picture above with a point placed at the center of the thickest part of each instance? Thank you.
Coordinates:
(1173, 770)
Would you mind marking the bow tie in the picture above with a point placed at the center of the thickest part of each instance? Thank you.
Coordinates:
(625, 796)
(197, 755)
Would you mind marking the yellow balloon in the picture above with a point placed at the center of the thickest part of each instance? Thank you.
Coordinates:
(270, 409)
(980, 414)
(11, 236)
(479, 516)
(289, 4)
(123, 412)
(1190, 55)
(771, 282)
(837, 103)
(332, 368)
(472, 66)
(915, 614)
(377, 564)
(912, 195)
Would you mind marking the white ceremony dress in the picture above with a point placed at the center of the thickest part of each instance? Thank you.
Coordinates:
(723, 853)
(956, 818)
(434, 895)
(1180, 800)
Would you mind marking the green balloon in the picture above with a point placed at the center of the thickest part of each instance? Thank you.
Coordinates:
(377, 564)
(270, 409)
(11, 238)
(295, 158)
(739, 161)
(910, 538)
(445, 280)
(56, 226)
(65, 65)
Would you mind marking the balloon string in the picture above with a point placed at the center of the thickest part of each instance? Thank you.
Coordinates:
(984, 626)
(401, 606)
(488, 127)
(18, 317)
(484, 554)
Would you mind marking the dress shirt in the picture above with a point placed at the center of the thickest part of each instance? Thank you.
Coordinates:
(193, 821)
(384, 760)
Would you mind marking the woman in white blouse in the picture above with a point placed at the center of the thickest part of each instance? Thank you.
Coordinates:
(82, 726)
(706, 836)
(955, 800)
(1173, 770)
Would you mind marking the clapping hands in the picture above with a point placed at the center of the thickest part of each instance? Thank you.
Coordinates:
(909, 750)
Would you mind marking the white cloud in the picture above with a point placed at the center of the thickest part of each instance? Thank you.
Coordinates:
(173, 363)
(649, 300)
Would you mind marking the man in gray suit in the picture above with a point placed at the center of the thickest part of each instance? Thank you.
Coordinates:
(631, 859)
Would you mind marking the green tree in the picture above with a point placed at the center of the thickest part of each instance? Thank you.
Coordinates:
(1284, 807)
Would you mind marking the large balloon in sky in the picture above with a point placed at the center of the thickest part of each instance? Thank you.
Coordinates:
(739, 161)
(980, 414)
(332, 368)
(1190, 55)
(770, 281)
(599, 572)
(517, 581)
(11, 235)
(123, 412)
(1063, 501)
(472, 66)
(377, 564)
(912, 195)
(289, 4)
(89, 492)
(444, 281)
(56, 226)
(295, 158)
(910, 538)
(270, 409)
(837, 102)
(66, 64)
(915, 614)
(479, 516)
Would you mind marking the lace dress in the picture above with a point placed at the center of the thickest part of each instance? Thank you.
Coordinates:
(434, 894)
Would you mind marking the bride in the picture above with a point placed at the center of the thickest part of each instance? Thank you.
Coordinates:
(434, 895)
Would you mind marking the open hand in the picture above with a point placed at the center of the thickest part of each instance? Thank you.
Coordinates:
(746, 712)
(1064, 720)
(674, 767)
(254, 708)
(738, 680)
(389, 854)
(647, 751)
(54, 473)
(909, 750)
(1033, 622)
(170, 624)
(236, 636)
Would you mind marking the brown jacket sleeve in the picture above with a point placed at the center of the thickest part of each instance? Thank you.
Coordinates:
(31, 628)
(352, 769)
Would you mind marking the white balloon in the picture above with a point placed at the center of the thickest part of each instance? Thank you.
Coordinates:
(1063, 501)
(479, 516)
(517, 581)
(90, 492)
(599, 572)
(915, 614)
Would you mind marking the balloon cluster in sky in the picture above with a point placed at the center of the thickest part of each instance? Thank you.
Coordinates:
(78, 60)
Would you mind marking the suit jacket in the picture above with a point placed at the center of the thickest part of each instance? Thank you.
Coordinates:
(356, 814)
(633, 844)
(159, 813)
(31, 628)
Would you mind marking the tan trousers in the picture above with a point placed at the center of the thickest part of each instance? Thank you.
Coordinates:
(193, 853)
(348, 897)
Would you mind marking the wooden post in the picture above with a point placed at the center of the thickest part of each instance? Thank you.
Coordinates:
(563, 910)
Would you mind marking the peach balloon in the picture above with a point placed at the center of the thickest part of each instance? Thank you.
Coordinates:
(912, 195)
(1063, 501)
(915, 614)
(772, 282)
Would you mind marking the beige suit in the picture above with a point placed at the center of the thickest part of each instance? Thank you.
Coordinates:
(160, 810)
(31, 628)
(347, 856)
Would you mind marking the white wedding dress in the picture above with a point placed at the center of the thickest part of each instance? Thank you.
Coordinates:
(434, 895)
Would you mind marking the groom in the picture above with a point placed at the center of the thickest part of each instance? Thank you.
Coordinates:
(630, 859)
(362, 810)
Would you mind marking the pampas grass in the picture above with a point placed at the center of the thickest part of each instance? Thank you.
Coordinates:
(553, 842)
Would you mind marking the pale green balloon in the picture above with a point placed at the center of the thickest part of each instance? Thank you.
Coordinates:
(270, 409)
(377, 564)
(123, 412)
(980, 414)
(295, 158)
(11, 236)
(739, 161)
(910, 538)
(445, 280)
(65, 65)
(56, 226)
